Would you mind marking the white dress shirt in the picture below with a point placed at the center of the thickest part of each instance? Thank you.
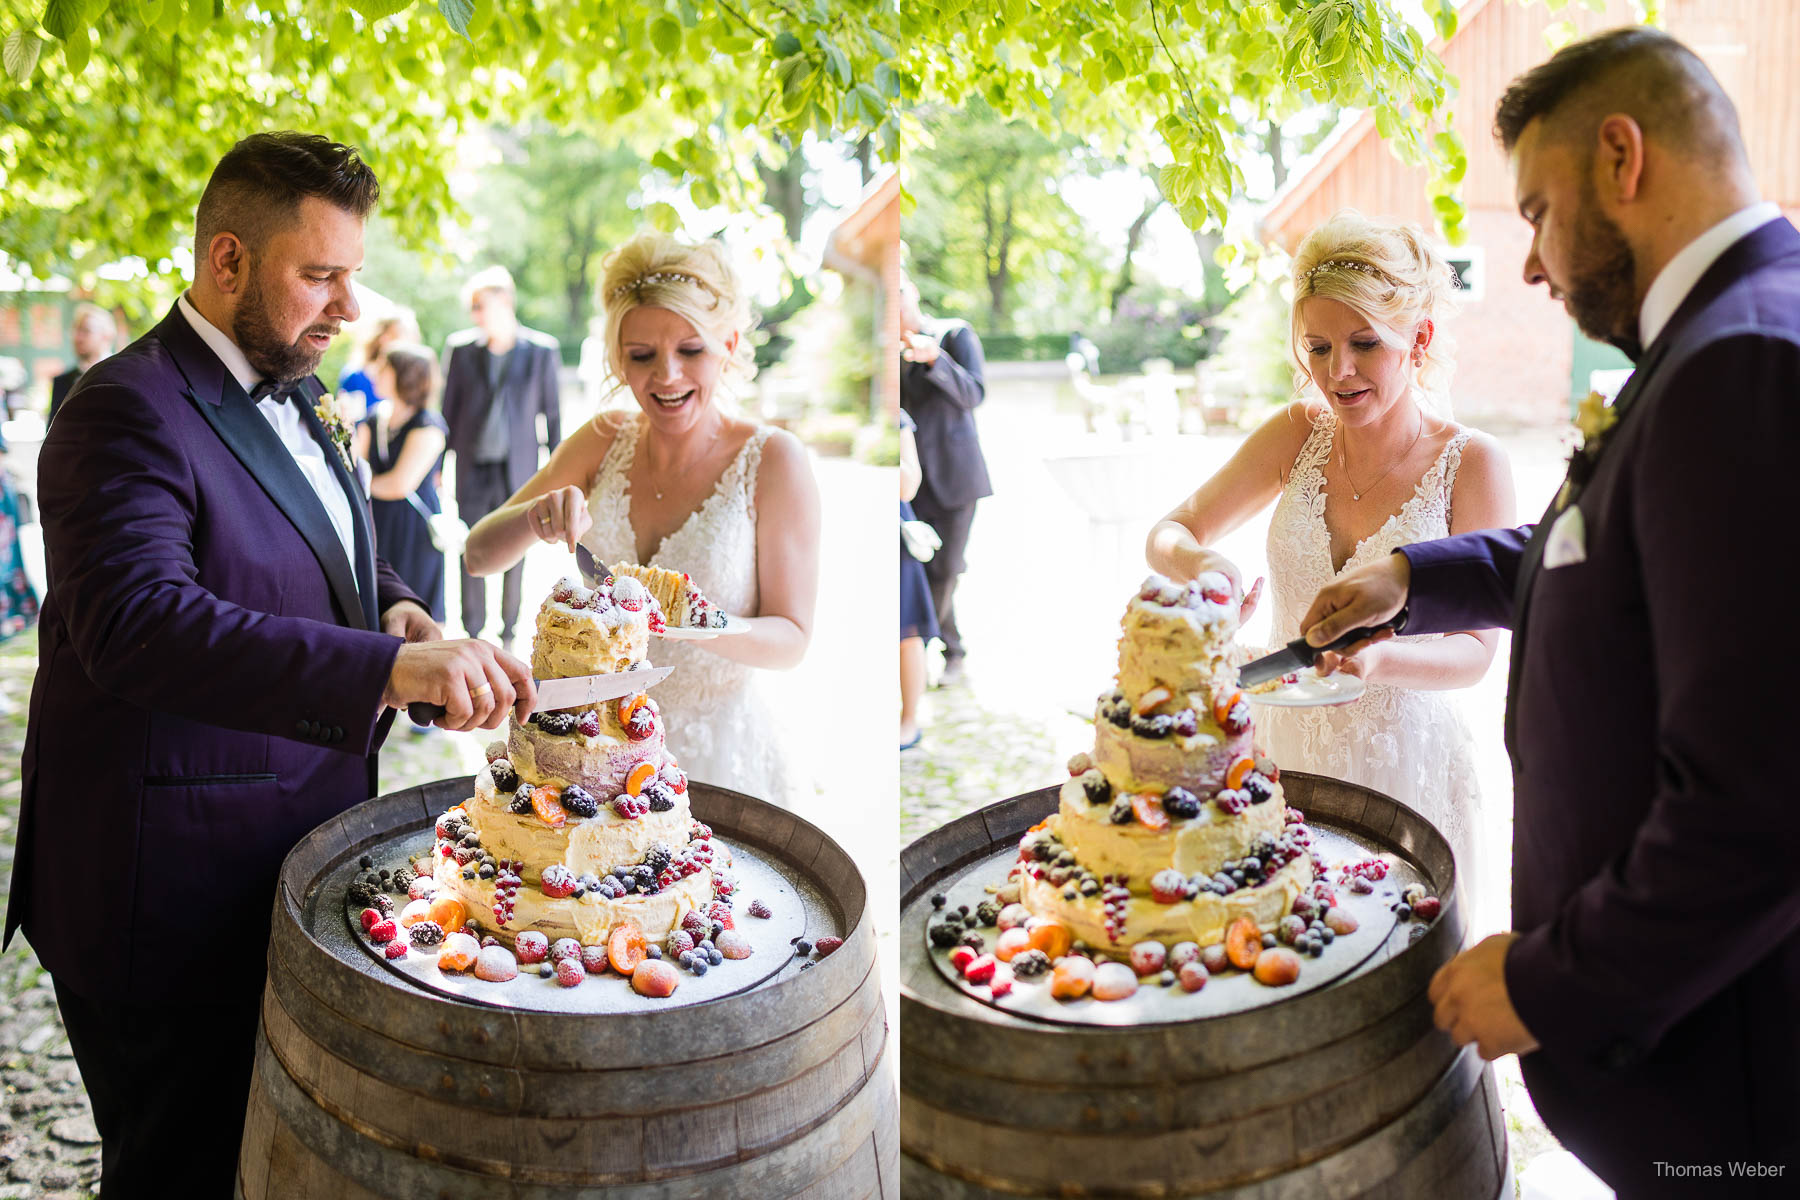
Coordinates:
(1677, 279)
(285, 419)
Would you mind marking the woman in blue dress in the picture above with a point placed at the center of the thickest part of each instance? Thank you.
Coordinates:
(398, 329)
(918, 616)
(404, 444)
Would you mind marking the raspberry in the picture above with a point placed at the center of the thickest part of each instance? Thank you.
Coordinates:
(589, 723)
(642, 723)
(826, 945)
(675, 777)
(570, 972)
(505, 778)
(720, 911)
(760, 910)
(630, 594)
(579, 801)
(630, 807)
(1232, 801)
(593, 960)
(657, 625)
(558, 881)
(1187, 722)
(531, 947)
(1215, 586)
(395, 950)
(425, 933)
(370, 918)
(384, 931)
(445, 823)
(564, 591)
(679, 943)
(563, 949)
(1237, 720)
(696, 924)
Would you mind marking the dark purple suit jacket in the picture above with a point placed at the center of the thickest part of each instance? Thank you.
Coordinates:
(209, 680)
(1651, 723)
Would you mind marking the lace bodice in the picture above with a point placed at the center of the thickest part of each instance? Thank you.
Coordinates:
(1411, 745)
(716, 723)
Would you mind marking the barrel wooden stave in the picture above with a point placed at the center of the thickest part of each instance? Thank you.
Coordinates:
(366, 1087)
(1323, 1094)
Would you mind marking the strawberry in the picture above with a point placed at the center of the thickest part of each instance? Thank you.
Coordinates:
(720, 911)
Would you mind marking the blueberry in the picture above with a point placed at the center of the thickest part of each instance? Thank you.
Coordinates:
(365, 862)
(802, 948)
(653, 951)
(686, 959)
(1268, 941)
(939, 900)
(715, 956)
(1167, 978)
(699, 965)
(1403, 910)
(1327, 936)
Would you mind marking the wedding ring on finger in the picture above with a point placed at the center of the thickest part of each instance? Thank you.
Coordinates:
(476, 693)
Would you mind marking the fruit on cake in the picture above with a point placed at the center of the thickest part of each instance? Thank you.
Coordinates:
(579, 827)
(1173, 828)
(682, 604)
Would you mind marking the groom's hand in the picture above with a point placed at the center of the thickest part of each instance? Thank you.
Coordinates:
(411, 623)
(1470, 1001)
(1366, 596)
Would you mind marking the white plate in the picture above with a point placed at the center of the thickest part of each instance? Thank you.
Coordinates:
(684, 633)
(1311, 689)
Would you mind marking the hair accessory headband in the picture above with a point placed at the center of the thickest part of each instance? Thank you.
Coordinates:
(655, 277)
(1340, 264)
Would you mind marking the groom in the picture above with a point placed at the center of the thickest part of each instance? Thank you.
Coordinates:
(1652, 988)
(219, 650)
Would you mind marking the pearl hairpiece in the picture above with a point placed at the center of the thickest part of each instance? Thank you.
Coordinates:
(644, 281)
(1341, 264)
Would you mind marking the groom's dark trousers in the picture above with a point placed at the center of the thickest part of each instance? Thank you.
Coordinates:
(1652, 721)
(210, 674)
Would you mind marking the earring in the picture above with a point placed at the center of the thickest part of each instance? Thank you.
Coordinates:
(1418, 357)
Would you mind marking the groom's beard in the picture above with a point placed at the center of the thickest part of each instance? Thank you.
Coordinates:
(1602, 287)
(254, 332)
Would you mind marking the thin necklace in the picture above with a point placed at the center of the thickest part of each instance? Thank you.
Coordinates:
(658, 492)
(1356, 493)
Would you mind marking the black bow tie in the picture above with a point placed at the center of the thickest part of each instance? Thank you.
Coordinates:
(279, 389)
(1628, 346)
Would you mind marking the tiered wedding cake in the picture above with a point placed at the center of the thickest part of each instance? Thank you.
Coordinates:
(580, 825)
(1174, 827)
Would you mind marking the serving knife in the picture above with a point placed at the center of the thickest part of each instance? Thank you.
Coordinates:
(1298, 654)
(575, 691)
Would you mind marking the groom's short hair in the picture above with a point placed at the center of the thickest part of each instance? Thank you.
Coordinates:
(1637, 70)
(256, 189)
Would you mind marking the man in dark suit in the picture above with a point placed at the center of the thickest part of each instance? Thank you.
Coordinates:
(92, 340)
(1652, 984)
(942, 380)
(220, 648)
(499, 378)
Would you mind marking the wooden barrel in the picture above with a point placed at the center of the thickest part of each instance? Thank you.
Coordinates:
(366, 1086)
(1346, 1091)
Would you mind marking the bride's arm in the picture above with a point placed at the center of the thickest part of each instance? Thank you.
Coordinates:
(787, 560)
(1482, 499)
(500, 539)
(1179, 544)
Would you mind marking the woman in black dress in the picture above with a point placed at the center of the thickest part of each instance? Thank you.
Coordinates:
(918, 617)
(404, 443)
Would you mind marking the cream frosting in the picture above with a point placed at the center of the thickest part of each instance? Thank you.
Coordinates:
(574, 639)
(587, 920)
(586, 845)
(599, 764)
(1135, 851)
(1132, 763)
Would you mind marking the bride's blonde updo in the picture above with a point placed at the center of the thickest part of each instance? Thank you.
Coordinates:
(1391, 274)
(695, 281)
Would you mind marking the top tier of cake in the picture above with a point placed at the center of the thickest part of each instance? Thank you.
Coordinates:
(593, 631)
(681, 602)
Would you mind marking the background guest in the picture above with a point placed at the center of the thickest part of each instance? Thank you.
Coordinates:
(918, 619)
(92, 337)
(499, 378)
(358, 383)
(941, 383)
(403, 441)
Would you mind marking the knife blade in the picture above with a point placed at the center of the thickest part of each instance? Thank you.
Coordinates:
(1298, 655)
(575, 691)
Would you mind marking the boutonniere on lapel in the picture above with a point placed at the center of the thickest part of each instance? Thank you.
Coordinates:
(1594, 418)
(339, 432)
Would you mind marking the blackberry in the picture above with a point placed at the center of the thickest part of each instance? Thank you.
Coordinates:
(505, 778)
(561, 724)
(1118, 713)
(944, 935)
(401, 879)
(988, 912)
(1181, 804)
(1090, 886)
(383, 904)
(1121, 813)
(1157, 725)
(974, 941)
(1094, 784)
(579, 801)
(426, 933)
(1260, 789)
(660, 795)
(657, 858)
(361, 895)
(1030, 964)
(520, 804)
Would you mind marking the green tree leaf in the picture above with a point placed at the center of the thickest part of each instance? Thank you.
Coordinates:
(457, 14)
(20, 54)
(665, 34)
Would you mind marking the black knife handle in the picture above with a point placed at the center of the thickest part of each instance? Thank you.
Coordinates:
(424, 712)
(1397, 622)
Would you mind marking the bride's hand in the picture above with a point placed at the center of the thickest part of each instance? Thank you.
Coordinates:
(1251, 599)
(560, 516)
(1363, 664)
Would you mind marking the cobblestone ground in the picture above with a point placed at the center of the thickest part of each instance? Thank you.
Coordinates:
(1052, 556)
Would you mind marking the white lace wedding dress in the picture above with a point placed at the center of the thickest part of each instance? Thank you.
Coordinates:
(1411, 745)
(718, 725)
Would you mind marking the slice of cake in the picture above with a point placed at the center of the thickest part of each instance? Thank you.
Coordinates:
(1174, 827)
(682, 604)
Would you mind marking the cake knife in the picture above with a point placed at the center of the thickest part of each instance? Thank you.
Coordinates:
(575, 691)
(1297, 654)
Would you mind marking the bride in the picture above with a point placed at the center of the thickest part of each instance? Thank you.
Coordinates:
(1366, 460)
(684, 483)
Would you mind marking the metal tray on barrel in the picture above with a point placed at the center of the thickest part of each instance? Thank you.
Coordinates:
(1346, 1090)
(368, 1085)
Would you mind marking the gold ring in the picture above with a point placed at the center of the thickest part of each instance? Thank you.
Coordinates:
(478, 692)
